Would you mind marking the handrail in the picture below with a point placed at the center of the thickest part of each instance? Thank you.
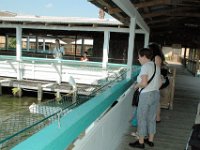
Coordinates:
(75, 121)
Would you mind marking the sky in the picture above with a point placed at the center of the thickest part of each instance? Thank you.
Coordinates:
(62, 8)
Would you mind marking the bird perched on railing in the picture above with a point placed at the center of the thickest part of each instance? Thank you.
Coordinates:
(74, 91)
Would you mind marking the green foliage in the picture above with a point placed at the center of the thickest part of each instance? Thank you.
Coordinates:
(12, 43)
(16, 91)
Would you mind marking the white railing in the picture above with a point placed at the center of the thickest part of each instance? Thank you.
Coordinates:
(54, 70)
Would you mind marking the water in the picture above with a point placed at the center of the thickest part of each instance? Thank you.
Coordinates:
(9, 105)
(15, 116)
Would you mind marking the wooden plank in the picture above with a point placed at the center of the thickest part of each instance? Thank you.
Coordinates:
(152, 3)
(176, 125)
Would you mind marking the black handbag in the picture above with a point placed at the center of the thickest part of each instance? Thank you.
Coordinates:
(137, 92)
(136, 96)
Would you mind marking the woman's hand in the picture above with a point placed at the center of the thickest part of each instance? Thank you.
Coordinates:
(135, 86)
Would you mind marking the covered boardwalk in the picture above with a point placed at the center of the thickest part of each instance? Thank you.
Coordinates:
(176, 126)
(103, 119)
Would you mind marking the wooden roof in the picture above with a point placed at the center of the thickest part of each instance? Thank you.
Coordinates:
(170, 21)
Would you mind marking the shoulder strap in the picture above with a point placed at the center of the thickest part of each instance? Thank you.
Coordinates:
(152, 76)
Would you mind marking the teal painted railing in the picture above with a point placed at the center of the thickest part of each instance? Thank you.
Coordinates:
(76, 121)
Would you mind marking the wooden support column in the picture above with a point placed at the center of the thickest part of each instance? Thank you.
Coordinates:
(131, 42)
(197, 63)
(146, 39)
(105, 49)
(18, 43)
(184, 57)
(19, 51)
(20, 92)
(82, 46)
(37, 43)
(28, 43)
(40, 93)
(58, 95)
(6, 42)
(44, 45)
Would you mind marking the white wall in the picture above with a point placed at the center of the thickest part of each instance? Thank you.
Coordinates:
(107, 131)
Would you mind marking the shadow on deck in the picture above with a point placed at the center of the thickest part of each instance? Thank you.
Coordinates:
(175, 128)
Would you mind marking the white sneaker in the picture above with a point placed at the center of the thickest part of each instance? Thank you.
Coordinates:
(135, 134)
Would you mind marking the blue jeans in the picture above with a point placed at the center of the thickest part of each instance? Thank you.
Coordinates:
(146, 113)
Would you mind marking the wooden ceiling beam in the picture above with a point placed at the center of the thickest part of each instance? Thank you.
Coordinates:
(169, 12)
(172, 14)
(191, 1)
(104, 5)
(114, 11)
(152, 3)
(151, 22)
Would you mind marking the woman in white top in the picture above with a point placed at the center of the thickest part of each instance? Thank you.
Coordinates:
(148, 100)
(58, 50)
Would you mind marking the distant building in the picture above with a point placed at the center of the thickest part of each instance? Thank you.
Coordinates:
(79, 35)
(7, 14)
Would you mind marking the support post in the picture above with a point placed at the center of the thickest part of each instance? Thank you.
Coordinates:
(6, 46)
(19, 51)
(37, 43)
(184, 57)
(146, 39)
(44, 45)
(28, 43)
(197, 62)
(105, 49)
(131, 42)
(58, 96)
(40, 93)
(82, 46)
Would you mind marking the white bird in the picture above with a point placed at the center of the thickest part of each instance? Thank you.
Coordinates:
(72, 82)
(44, 110)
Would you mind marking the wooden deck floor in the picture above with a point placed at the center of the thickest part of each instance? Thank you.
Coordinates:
(175, 128)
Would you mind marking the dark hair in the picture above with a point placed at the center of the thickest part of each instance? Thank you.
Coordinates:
(156, 50)
(146, 52)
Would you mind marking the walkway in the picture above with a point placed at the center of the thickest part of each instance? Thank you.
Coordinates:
(174, 130)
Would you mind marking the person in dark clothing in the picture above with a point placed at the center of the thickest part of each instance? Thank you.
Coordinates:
(159, 59)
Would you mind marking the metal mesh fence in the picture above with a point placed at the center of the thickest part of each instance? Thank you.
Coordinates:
(23, 124)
